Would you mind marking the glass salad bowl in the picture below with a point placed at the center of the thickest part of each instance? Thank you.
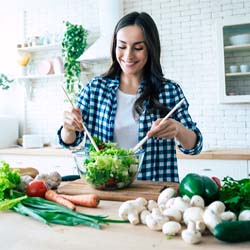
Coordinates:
(109, 169)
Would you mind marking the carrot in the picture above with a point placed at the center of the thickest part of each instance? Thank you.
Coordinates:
(85, 200)
(53, 196)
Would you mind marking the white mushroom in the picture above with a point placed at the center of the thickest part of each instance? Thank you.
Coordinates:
(228, 216)
(155, 222)
(217, 206)
(156, 212)
(197, 201)
(186, 198)
(211, 219)
(173, 214)
(193, 214)
(130, 210)
(170, 202)
(141, 201)
(200, 226)
(171, 228)
(180, 204)
(143, 216)
(191, 235)
(244, 215)
(165, 195)
(152, 204)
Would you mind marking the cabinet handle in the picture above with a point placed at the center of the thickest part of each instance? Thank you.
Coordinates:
(206, 169)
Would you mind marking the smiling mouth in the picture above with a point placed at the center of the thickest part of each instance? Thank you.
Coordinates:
(129, 64)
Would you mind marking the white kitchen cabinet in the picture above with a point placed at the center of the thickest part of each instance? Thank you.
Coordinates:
(236, 169)
(44, 164)
(233, 87)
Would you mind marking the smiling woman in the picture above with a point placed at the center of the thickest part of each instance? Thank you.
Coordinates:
(130, 101)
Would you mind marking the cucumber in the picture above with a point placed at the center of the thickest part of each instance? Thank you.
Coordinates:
(233, 231)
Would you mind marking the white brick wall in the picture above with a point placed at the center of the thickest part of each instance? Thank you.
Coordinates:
(188, 56)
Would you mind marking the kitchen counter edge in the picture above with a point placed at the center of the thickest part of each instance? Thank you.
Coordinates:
(221, 154)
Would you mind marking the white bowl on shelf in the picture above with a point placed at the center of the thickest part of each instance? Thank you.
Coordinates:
(233, 68)
(240, 39)
(244, 68)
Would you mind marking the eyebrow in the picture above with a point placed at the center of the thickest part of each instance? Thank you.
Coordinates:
(133, 43)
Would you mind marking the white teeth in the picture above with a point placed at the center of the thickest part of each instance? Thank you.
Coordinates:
(129, 64)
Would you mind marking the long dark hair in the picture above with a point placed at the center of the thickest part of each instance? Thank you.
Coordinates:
(153, 75)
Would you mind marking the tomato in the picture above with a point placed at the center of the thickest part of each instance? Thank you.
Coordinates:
(111, 182)
(36, 188)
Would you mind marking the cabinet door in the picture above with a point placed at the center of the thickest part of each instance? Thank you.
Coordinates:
(44, 164)
(237, 169)
(234, 85)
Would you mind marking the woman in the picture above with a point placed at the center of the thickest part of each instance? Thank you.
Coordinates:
(130, 99)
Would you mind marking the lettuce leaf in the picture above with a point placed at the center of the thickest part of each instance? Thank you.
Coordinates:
(9, 180)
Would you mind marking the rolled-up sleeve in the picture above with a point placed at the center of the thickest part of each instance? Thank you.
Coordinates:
(197, 148)
(79, 137)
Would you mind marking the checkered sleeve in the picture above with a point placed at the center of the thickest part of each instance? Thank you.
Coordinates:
(183, 116)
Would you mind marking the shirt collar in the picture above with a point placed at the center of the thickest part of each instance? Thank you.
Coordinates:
(114, 84)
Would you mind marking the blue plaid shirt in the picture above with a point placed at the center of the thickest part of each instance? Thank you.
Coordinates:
(98, 103)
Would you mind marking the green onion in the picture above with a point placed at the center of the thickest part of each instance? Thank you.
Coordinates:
(52, 213)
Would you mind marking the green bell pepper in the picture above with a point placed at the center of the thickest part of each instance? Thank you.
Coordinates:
(194, 184)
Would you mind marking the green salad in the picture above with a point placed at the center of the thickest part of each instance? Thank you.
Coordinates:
(111, 167)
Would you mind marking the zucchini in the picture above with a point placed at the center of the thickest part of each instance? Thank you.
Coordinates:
(233, 231)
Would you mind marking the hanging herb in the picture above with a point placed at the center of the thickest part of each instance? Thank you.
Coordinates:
(5, 82)
(73, 45)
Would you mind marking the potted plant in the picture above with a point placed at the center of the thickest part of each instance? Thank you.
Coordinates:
(5, 82)
(74, 43)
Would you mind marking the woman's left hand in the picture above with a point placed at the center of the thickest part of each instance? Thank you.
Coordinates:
(168, 129)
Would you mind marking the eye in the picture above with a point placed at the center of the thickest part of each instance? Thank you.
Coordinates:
(138, 48)
(121, 47)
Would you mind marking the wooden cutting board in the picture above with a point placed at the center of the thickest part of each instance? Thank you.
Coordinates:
(150, 190)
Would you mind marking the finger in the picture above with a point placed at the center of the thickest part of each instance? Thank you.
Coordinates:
(76, 112)
(71, 123)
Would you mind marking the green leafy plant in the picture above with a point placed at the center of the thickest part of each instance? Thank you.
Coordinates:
(5, 82)
(236, 194)
(73, 45)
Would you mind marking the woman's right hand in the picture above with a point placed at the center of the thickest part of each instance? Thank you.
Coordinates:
(72, 120)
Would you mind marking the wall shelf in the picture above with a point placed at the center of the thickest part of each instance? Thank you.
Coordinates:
(231, 48)
(38, 77)
(238, 74)
(40, 48)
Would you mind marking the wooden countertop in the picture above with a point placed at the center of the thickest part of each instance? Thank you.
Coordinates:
(45, 151)
(23, 233)
(222, 154)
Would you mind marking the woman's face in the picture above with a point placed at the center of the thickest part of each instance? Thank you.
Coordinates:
(131, 50)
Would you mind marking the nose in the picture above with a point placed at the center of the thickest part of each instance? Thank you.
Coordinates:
(128, 55)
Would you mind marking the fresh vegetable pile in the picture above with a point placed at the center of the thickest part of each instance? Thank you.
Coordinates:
(44, 204)
(111, 167)
(195, 210)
